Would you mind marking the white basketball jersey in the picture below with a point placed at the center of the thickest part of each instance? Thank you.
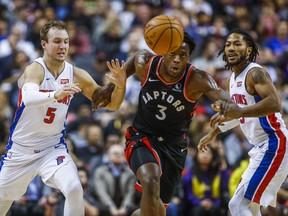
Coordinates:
(42, 126)
(255, 129)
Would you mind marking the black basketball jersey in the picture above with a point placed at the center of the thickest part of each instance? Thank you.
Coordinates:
(164, 109)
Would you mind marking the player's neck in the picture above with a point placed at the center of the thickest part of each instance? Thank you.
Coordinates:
(237, 69)
(54, 67)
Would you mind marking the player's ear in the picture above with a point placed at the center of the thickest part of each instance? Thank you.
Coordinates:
(43, 43)
(249, 50)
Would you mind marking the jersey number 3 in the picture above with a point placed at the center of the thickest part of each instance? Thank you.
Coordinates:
(162, 112)
(50, 115)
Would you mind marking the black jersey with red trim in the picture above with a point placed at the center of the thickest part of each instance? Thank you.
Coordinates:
(164, 108)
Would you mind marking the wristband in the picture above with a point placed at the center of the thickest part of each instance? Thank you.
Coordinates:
(229, 125)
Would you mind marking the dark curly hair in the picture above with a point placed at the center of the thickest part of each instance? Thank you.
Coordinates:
(190, 41)
(249, 40)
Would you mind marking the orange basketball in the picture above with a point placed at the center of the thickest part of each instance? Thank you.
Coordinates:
(164, 34)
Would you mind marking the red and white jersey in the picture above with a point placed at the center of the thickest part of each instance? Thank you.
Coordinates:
(39, 127)
(255, 129)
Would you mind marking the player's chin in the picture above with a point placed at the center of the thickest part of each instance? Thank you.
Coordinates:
(61, 58)
(175, 70)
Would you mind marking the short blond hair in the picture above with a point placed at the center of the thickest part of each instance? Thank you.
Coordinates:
(49, 25)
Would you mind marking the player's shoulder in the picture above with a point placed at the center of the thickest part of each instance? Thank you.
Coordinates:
(258, 74)
(34, 65)
(199, 74)
(34, 68)
(143, 56)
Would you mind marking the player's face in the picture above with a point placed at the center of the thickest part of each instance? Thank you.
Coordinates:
(175, 62)
(236, 50)
(58, 44)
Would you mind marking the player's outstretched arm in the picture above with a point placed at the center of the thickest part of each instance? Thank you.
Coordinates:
(117, 76)
(135, 64)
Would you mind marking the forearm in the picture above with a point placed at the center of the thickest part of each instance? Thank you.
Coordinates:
(31, 96)
(117, 97)
(262, 108)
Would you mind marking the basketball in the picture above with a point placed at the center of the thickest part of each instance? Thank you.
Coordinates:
(164, 34)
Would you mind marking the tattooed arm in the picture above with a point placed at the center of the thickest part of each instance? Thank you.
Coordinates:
(259, 83)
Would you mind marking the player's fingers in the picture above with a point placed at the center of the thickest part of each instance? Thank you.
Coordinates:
(109, 65)
(113, 63)
(117, 63)
(122, 64)
(224, 108)
(105, 103)
(215, 120)
(215, 106)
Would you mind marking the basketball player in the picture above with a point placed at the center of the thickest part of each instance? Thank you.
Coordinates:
(36, 145)
(156, 143)
(258, 114)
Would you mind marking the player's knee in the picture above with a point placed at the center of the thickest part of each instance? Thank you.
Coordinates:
(150, 184)
(75, 189)
(233, 204)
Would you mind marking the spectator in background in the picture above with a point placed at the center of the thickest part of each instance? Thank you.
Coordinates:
(77, 130)
(143, 13)
(4, 27)
(278, 43)
(80, 16)
(5, 119)
(95, 144)
(62, 8)
(204, 184)
(79, 40)
(15, 70)
(91, 206)
(207, 60)
(115, 125)
(267, 20)
(114, 184)
(282, 64)
(16, 41)
(100, 68)
(33, 35)
(33, 201)
(110, 40)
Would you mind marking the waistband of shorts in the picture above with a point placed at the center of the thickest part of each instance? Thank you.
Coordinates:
(26, 149)
(161, 138)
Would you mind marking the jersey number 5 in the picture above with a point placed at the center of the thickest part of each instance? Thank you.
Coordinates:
(50, 115)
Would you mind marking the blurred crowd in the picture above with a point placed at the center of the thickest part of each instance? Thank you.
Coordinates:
(102, 30)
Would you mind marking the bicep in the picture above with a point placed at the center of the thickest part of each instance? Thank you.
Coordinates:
(260, 83)
(33, 73)
(266, 89)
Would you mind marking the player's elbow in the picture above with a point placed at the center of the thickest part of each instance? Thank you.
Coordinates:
(276, 105)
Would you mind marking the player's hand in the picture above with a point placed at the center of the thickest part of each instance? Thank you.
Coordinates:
(118, 73)
(67, 89)
(206, 140)
(227, 109)
(102, 96)
(220, 106)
